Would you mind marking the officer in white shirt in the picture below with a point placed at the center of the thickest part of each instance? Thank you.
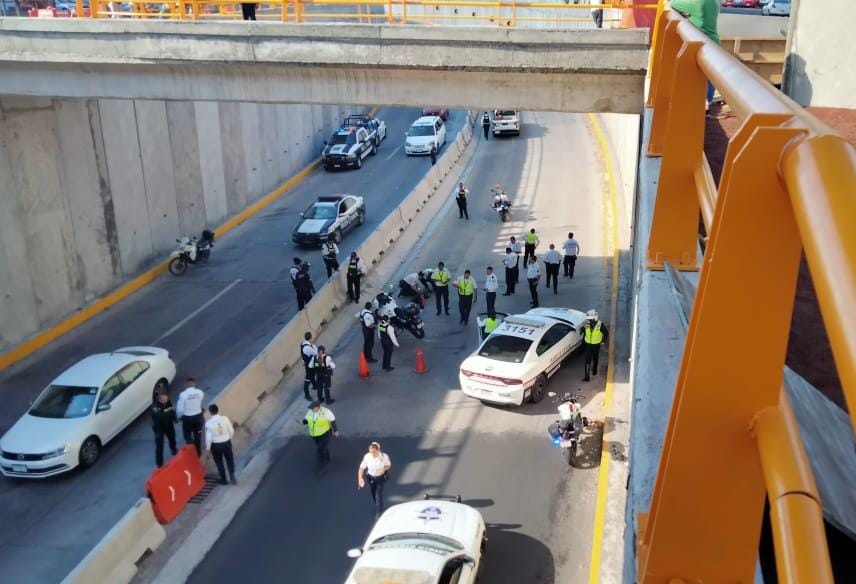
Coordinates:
(374, 468)
(189, 411)
(572, 250)
(410, 286)
(510, 262)
(294, 270)
(552, 261)
(322, 365)
(533, 276)
(491, 284)
(367, 324)
(307, 351)
(330, 253)
(218, 440)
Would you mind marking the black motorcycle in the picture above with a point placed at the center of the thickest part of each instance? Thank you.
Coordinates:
(190, 250)
(566, 432)
(410, 318)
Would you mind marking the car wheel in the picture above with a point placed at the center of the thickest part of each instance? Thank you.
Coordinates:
(359, 161)
(162, 386)
(337, 236)
(90, 450)
(537, 393)
(361, 217)
(374, 149)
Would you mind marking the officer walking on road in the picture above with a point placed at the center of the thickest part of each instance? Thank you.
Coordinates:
(304, 286)
(461, 199)
(218, 440)
(307, 352)
(189, 411)
(356, 269)
(375, 469)
(387, 341)
(533, 276)
(441, 278)
(323, 367)
(486, 125)
(594, 333)
(330, 253)
(510, 262)
(163, 423)
(552, 261)
(367, 323)
(491, 285)
(572, 250)
(321, 424)
(530, 244)
(466, 294)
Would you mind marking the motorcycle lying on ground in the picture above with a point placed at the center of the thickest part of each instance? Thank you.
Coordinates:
(501, 204)
(566, 432)
(408, 318)
(190, 250)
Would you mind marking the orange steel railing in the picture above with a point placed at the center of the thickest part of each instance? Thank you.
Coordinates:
(788, 185)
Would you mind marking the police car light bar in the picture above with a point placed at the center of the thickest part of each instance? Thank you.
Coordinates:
(523, 321)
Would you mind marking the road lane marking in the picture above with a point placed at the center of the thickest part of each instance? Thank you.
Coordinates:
(603, 473)
(184, 320)
(394, 152)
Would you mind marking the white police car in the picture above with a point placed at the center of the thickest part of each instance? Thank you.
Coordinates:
(435, 541)
(328, 219)
(514, 363)
(347, 147)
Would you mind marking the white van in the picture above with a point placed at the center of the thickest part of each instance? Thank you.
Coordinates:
(425, 132)
(506, 121)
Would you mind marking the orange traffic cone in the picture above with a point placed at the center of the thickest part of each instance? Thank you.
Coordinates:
(364, 366)
(420, 362)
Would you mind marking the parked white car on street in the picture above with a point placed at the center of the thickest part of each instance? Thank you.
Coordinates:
(514, 363)
(425, 132)
(506, 122)
(82, 410)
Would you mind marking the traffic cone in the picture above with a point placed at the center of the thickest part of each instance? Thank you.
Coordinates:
(364, 366)
(420, 362)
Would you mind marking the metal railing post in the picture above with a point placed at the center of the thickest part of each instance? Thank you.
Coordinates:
(389, 11)
(656, 49)
(298, 17)
(662, 84)
(705, 517)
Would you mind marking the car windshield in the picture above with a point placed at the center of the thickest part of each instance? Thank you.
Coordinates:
(421, 541)
(422, 130)
(505, 348)
(64, 401)
(350, 138)
(320, 212)
(507, 113)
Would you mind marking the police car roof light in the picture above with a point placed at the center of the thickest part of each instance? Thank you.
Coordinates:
(523, 321)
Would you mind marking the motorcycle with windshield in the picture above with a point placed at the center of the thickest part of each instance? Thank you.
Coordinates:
(566, 432)
(409, 317)
(501, 204)
(190, 250)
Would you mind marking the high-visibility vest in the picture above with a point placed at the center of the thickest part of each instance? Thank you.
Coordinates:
(531, 237)
(489, 325)
(353, 268)
(593, 336)
(441, 277)
(466, 286)
(318, 425)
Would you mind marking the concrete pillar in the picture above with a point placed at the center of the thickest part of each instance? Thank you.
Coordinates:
(234, 165)
(189, 190)
(211, 157)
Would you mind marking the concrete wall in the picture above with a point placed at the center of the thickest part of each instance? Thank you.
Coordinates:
(819, 65)
(622, 133)
(92, 192)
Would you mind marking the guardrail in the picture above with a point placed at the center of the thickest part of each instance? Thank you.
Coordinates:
(763, 55)
(788, 185)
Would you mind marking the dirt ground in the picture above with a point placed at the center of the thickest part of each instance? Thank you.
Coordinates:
(809, 353)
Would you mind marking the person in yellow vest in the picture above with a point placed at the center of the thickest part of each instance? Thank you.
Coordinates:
(490, 324)
(440, 278)
(594, 334)
(530, 242)
(321, 424)
(466, 286)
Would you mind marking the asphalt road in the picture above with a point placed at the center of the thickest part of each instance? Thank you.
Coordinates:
(214, 345)
(300, 522)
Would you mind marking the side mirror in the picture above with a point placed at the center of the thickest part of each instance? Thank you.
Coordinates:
(551, 394)
(325, 142)
(301, 214)
(355, 553)
(469, 561)
(102, 407)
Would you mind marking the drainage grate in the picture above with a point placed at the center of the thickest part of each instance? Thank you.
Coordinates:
(211, 481)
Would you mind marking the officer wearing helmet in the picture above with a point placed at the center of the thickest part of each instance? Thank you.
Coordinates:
(594, 334)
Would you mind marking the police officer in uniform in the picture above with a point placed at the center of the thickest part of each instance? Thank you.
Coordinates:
(304, 286)
(461, 199)
(321, 423)
(163, 423)
(466, 294)
(307, 351)
(510, 262)
(367, 323)
(486, 125)
(294, 270)
(441, 278)
(387, 341)
(594, 333)
(533, 276)
(330, 253)
(491, 285)
(356, 268)
(218, 440)
(189, 411)
(433, 154)
(530, 244)
(323, 367)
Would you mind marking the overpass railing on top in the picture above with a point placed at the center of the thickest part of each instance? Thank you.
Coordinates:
(788, 186)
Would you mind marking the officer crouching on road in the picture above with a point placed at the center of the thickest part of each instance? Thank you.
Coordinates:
(387, 341)
(189, 411)
(367, 323)
(594, 334)
(163, 423)
(218, 440)
(323, 367)
(321, 423)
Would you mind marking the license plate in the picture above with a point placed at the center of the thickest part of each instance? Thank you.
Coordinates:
(566, 443)
(19, 468)
(420, 325)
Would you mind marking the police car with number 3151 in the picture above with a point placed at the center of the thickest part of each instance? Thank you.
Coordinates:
(514, 363)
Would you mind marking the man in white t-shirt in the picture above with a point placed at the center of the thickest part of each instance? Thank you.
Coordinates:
(572, 250)
(374, 468)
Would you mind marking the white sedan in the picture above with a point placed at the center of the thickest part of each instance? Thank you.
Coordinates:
(514, 363)
(82, 410)
(435, 541)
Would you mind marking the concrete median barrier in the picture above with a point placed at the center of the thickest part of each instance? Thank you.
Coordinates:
(115, 557)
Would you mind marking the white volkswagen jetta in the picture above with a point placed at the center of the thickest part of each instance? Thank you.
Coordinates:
(435, 541)
(82, 410)
(514, 363)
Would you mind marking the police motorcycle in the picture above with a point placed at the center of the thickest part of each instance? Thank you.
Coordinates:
(566, 432)
(409, 317)
(190, 250)
(501, 204)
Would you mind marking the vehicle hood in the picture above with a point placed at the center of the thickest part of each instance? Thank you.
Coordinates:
(495, 368)
(405, 566)
(314, 226)
(32, 435)
(453, 520)
(339, 148)
(421, 140)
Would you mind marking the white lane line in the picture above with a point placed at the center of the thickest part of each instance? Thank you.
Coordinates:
(183, 321)
(393, 153)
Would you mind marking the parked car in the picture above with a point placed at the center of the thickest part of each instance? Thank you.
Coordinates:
(375, 127)
(82, 410)
(506, 122)
(777, 8)
(348, 147)
(441, 112)
(425, 133)
(329, 218)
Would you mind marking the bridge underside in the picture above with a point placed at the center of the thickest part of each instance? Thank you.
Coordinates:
(572, 71)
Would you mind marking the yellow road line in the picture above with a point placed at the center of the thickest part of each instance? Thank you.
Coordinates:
(78, 318)
(603, 474)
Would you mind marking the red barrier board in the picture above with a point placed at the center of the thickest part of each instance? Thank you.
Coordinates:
(175, 483)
